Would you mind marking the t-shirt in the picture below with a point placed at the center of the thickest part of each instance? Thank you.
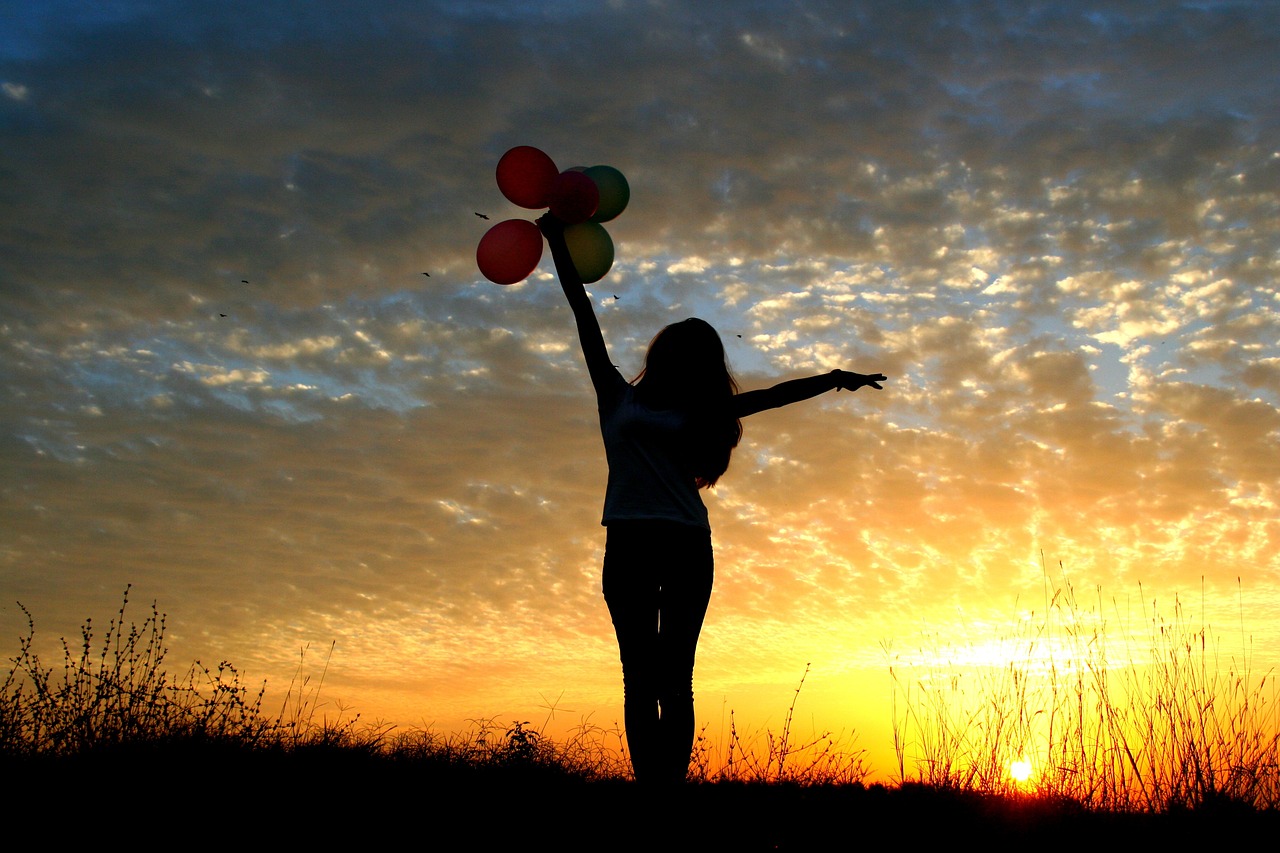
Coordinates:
(646, 479)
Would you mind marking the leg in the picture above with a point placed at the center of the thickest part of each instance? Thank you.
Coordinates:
(631, 592)
(686, 591)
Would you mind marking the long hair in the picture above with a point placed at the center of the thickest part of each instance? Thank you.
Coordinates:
(685, 369)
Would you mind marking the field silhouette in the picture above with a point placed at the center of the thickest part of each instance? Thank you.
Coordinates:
(1168, 750)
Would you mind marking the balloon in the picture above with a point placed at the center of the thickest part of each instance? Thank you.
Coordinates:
(591, 250)
(509, 251)
(614, 192)
(525, 176)
(574, 197)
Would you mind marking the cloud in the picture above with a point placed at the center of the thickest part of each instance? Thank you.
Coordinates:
(229, 382)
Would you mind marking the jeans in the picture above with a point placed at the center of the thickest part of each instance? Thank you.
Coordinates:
(657, 582)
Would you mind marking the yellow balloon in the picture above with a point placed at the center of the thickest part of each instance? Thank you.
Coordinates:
(591, 249)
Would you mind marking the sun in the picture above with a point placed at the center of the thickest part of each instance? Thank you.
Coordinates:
(1020, 770)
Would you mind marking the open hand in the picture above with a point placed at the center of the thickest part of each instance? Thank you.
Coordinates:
(854, 381)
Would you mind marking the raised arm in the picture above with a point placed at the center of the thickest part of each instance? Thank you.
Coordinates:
(795, 390)
(604, 377)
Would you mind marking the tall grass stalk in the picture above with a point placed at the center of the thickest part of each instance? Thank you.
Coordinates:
(823, 758)
(116, 690)
(1164, 722)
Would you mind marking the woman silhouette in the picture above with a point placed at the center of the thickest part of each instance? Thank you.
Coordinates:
(667, 434)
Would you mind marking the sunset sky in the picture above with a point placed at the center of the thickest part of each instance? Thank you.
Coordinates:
(227, 382)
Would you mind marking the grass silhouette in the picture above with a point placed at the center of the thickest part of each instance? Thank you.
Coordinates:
(824, 758)
(1165, 722)
(115, 691)
(110, 729)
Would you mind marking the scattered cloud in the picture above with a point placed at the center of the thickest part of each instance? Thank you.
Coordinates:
(229, 383)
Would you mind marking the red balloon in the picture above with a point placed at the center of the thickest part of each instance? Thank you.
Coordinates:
(574, 197)
(525, 176)
(509, 251)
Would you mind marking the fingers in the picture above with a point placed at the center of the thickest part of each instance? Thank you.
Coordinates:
(550, 225)
(854, 381)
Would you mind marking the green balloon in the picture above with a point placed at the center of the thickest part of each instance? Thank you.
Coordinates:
(591, 250)
(614, 192)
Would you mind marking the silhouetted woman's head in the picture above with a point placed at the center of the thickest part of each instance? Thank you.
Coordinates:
(685, 369)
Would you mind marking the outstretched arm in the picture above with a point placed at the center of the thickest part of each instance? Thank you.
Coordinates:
(795, 390)
(603, 375)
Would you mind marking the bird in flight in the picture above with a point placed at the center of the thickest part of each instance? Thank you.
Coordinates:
(481, 215)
